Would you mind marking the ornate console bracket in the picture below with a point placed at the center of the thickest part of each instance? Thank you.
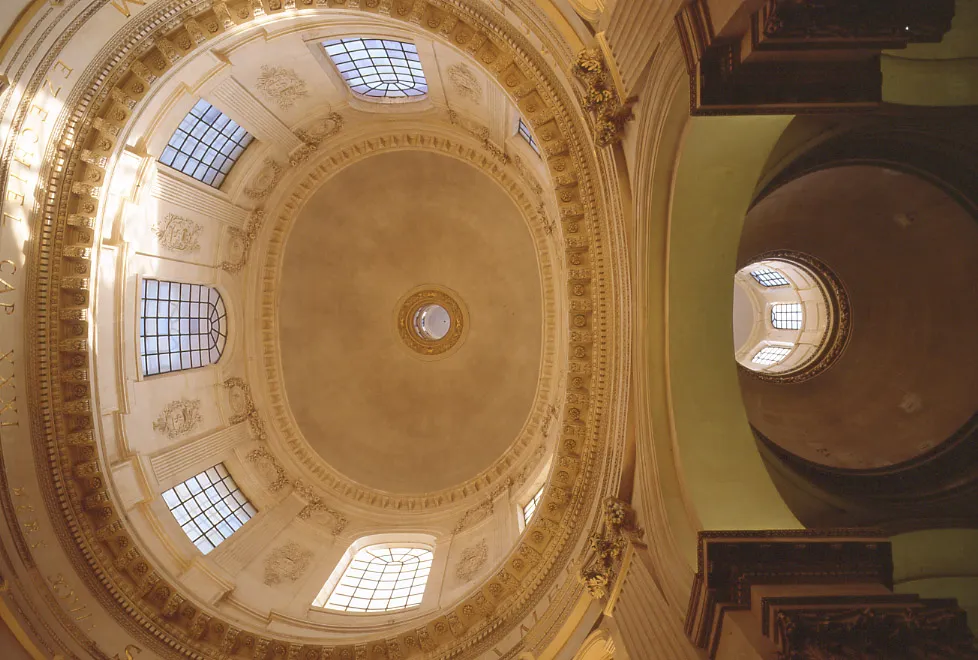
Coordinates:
(607, 561)
(816, 595)
(601, 97)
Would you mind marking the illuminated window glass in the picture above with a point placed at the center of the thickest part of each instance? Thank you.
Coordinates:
(786, 316)
(769, 277)
(524, 132)
(531, 507)
(771, 355)
(379, 68)
(209, 507)
(206, 144)
(380, 579)
(182, 326)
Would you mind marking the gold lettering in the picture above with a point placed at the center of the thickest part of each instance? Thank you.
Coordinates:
(39, 111)
(14, 176)
(6, 284)
(24, 157)
(8, 308)
(129, 652)
(20, 491)
(31, 527)
(37, 138)
(15, 197)
(54, 92)
(67, 69)
(13, 272)
(123, 6)
(38, 544)
(3, 220)
(6, 356)
(24, 507)
(4, 381)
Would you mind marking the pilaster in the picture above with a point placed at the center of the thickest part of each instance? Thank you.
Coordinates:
(177, 464)
(171, 188)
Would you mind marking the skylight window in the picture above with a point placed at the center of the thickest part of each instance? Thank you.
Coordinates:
(786, 316)
(206, 144)
(769, 277)
(380, 579)
(771, 355)
(379, 68)
(209, 507)
(182, 326)
(524, 132)
(531, 507)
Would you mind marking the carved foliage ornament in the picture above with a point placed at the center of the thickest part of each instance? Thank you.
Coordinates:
(601, 98)
(286, 563)
(177, 233)
(281, 85)
(239, 242)
(599, 571)
(178, 418)
(472, 560)
(270, 469)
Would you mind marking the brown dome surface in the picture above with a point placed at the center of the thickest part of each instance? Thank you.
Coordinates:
(376, 411)
(908, 255)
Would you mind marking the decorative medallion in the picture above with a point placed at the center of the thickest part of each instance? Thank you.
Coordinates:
(431, 303)
(286, 563)
(265, 181)
(464, 82)
(281, 85)
(178, 418)
(269, 468)
(177, 233)
(471, 561)
(474, 515)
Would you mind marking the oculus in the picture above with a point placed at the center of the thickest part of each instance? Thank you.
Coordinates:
(431, 321)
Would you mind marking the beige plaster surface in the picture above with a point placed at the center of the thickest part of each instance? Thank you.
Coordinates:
(909, 376)
(374, 410)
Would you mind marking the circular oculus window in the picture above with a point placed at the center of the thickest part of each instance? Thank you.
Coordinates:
(431, 321)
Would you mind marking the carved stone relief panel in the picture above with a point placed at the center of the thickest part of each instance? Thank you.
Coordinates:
(178, 418)
(464, 82)
(471, 561)
(282, 86)
(286, 563)
(177, 233)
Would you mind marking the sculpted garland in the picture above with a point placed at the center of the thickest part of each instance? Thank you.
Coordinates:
(166, 622)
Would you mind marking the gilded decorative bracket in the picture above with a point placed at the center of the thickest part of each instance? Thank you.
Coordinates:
(600, 571)
(601, 97)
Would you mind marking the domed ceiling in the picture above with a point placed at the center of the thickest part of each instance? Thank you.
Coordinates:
(372, 407)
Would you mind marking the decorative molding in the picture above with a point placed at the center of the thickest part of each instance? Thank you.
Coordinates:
(177, 233)
(243, 407)
(601, 98)
(282, 86)
(178, 418)
(471, 561)
(411, 335)
(172, 464)
(464, 82)
(317, 513)
(313, 136)
(236, 102)
(286, 563)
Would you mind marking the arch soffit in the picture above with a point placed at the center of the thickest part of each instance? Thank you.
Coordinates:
(567, 157)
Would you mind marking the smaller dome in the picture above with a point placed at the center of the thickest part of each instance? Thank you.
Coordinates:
(786, 317)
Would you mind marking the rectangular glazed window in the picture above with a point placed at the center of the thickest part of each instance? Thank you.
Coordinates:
(209, 507)
(206, 144)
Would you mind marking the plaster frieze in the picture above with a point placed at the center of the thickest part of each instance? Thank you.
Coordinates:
(124, 580)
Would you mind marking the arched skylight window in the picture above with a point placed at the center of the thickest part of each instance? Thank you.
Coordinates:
(771, 355)
(182, 326)
(786, 316)
(206, 144)
(769, 277)
(379, 68)
(525, 133)
(531, 507)
(380, 579)
(209, 507)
